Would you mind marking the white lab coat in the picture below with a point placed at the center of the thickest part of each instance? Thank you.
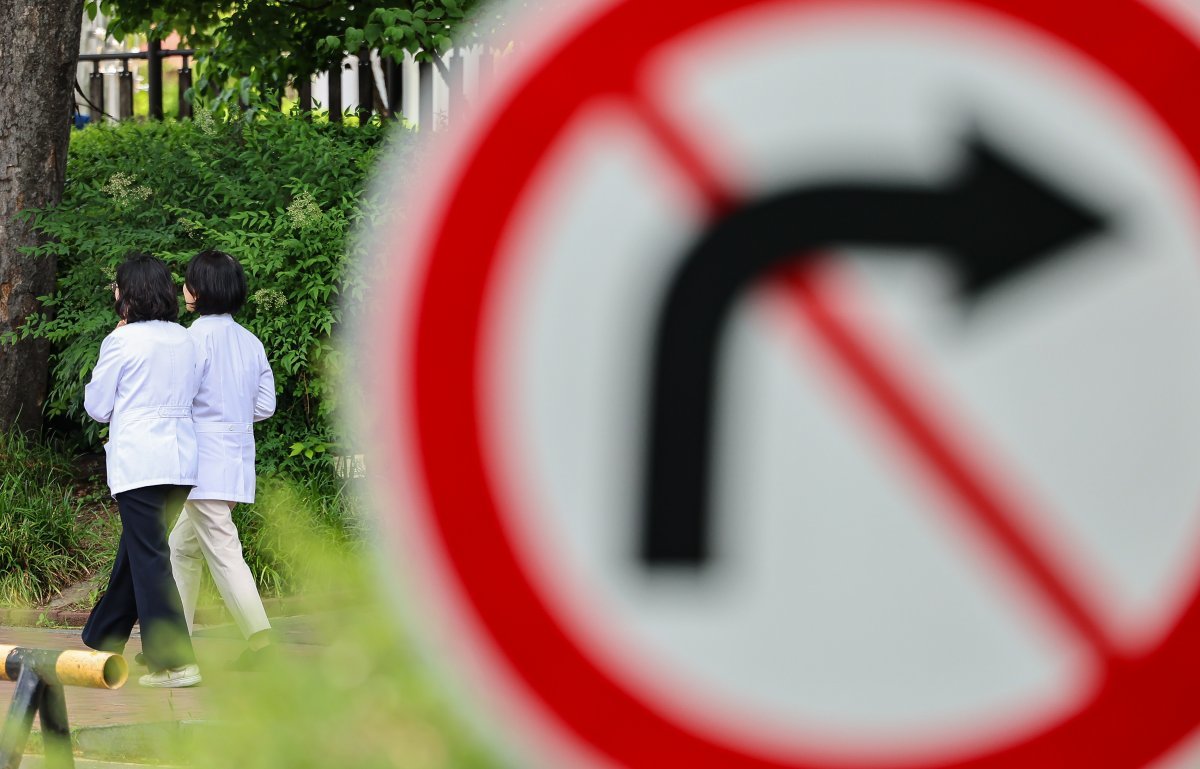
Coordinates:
(143, 386)
(237, 389)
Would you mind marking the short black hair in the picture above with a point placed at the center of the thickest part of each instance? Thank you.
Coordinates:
(218, 282)
(147, 289)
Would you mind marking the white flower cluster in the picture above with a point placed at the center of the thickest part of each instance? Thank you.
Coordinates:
(269, 299)
(304, 211)
(190, 228)
(124, 188)
(204, 121)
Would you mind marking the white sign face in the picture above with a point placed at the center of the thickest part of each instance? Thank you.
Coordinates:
(833, 386)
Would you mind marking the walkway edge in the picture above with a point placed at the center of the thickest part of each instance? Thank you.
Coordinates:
(286, 606)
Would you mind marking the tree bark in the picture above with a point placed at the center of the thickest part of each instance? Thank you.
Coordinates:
(39, 47)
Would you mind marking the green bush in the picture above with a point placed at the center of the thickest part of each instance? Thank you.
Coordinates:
(279, 193)
(48, 537)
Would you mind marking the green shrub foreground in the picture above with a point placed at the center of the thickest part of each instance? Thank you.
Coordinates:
(365, 697)
(320, 508)
(279, 193)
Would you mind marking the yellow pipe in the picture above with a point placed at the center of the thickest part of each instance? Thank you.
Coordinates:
(95, 670)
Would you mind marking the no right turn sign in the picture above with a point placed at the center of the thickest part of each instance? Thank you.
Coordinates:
(791, 383)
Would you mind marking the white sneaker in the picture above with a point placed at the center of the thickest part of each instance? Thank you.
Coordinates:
(172, 678)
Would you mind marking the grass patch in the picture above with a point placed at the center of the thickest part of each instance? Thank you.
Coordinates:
(53, 530)
(57, 530)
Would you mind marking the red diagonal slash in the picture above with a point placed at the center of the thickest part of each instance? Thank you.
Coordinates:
(947, 461)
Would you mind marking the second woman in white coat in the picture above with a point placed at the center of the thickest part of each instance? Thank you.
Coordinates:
(237, 389)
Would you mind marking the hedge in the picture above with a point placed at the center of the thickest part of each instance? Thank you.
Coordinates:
(282, 194)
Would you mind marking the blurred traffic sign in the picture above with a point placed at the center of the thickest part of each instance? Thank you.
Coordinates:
(810, 384)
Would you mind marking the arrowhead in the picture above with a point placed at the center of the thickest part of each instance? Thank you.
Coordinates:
(1010, 220)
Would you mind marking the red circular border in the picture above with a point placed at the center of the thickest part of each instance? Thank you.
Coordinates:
(1145, 706)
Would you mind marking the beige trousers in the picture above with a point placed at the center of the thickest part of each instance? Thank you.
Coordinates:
(205, 532)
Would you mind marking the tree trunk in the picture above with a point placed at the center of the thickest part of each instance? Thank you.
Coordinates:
(39, 47)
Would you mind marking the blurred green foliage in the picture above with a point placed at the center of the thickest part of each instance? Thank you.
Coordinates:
(320, 509)
(357, 693)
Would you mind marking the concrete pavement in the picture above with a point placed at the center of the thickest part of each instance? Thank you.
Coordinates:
(138, 722)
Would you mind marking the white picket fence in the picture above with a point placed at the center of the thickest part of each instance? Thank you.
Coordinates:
(472, 62)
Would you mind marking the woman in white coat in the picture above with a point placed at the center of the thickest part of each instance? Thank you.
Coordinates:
(143, 386)
(236, 389)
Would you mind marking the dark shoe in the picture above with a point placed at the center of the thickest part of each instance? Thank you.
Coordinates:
(140, 659)
(253, 660)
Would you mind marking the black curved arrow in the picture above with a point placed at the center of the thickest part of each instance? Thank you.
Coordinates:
(991, 222)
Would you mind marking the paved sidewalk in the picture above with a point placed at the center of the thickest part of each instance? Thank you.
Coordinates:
(37, 762)
(132, 704)
(99, 707)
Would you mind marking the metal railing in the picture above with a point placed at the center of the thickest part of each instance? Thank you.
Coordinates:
(40, 675)
(392, 96)
(153, 57)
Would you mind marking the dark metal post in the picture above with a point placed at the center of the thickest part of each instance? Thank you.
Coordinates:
(40, 678)
(335, 93)
(304, 96)
(20, 717)
(425, 96)
(96, 92)
(154, 78)
(56, 734)
(185, 83)
(458, 98)
(125, 91)
(394, 76)
(366, 86)
(487, 68)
